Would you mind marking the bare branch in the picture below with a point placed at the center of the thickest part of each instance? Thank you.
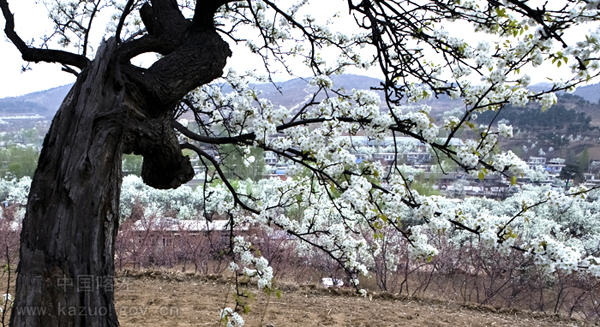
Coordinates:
(205, 12)
(212, 160)
(35, 54)
(87, 30)
(126, 12)
(212, 140)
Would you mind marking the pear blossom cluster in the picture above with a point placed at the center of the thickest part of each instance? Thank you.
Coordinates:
(510, 162)
(231, 318)
(467, 154)
(420, 120)
(547, 100)
(322, 81)
(505, 130)
(552, 255)
(558, 201)
(420, 249)
(262, 271)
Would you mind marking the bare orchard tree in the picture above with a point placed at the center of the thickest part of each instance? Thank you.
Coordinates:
(115, 107)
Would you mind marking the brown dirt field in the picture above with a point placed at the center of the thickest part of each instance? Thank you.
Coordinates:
(173, 299)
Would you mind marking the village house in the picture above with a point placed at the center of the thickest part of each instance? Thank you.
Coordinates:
(168, 228)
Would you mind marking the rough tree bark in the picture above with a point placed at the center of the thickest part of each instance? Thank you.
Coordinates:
(67, 242)
(74, 197)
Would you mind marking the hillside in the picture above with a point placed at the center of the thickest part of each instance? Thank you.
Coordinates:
(44, 103)
(589, 92)
(568, 116)
(582, 105)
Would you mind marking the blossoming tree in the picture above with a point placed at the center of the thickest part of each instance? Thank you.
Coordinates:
(116, 107)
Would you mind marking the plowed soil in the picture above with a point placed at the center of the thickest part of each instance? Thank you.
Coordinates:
(175, 299)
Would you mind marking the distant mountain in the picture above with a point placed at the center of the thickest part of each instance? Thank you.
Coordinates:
(539, 87)
(296, 91)
(44, 103)
(589, 92)
(289, 94)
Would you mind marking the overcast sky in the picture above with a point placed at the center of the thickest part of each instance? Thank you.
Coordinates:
(31, 20)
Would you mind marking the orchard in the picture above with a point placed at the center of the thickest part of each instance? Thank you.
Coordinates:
(331, 203)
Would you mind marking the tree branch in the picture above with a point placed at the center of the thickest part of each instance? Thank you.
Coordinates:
(212, 140)
(126, 12)
(35, 54)
(205, 11)
(192, 56)
(87, 30)
(212, 160)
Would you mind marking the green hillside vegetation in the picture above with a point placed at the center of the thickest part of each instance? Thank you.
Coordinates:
(18, 161)
(236, 166)
(565, 130)
(132, 164)
(559, 119)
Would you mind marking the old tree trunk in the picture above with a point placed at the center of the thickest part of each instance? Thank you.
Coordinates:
(66, 258)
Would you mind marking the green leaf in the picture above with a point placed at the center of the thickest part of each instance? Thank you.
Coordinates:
(513, 181)
(383, 217)
(481, 175)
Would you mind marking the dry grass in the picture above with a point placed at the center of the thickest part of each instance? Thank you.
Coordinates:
(168, 298)
(176, 299)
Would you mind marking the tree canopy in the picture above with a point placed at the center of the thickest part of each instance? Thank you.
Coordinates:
(411, 44)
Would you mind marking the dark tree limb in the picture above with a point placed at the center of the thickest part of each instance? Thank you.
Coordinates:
(217, 166)
(192, 56)
(212, 140)
(70, 70)
(126, 12)
(35, 54)
(89, 27)
(205, 12)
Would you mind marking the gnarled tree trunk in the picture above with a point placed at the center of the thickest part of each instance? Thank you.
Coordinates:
(73, 209)
(66, 263)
